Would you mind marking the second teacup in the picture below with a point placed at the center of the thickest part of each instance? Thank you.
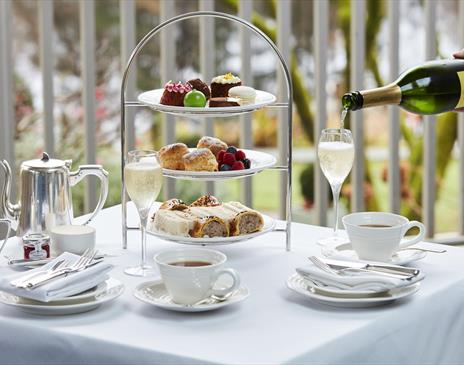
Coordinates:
(377, 236)
(190, 274)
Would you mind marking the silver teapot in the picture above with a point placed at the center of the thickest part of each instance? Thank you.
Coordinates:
(45, 193)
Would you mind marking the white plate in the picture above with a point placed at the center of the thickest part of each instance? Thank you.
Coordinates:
(113, 290)
(155, 293)
(299, 285)
(269, 224)
(152, 99)
(259, 162)
(92, 292)
(345, 251)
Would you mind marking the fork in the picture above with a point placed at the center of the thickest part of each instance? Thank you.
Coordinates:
(324, 267)
(80, 264)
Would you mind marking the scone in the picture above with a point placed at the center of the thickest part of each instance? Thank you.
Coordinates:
(213, 144)
(201, 159)
(170, 156)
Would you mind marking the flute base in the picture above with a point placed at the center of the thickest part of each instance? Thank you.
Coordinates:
(332, 240)
(141, 271)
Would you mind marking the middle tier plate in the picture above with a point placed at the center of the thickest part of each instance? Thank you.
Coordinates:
(269, 225)
(259, 162)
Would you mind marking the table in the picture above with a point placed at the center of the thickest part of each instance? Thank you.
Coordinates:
(273, 326)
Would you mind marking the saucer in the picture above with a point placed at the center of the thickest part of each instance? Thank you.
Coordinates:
(155, 293)
(345, 251)
(113, 289)
(303, 287)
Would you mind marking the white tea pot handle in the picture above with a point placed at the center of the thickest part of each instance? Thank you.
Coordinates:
(98, 171)
(8, 223)
(419, 237)
(235, 285)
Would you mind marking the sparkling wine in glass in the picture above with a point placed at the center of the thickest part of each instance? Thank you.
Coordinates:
(143, 179)
(336, 154)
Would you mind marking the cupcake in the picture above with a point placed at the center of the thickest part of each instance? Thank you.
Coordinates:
(245, 94)
(200, 86)
(174, 93)
(220, 85)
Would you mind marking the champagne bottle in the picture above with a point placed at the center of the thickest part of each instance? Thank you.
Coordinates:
(431, 88)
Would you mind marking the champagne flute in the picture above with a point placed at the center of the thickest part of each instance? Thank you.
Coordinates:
(143, 178)
(336, 154)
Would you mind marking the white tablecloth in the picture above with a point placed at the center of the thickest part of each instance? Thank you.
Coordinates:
(273, 326)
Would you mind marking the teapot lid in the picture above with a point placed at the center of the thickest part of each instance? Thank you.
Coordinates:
(45, 163)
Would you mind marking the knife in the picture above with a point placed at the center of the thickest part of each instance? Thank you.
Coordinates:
(385, 268)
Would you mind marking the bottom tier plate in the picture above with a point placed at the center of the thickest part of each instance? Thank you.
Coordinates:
(269, 225)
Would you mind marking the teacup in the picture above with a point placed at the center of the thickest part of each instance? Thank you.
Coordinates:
(377, 236)
(190, 274)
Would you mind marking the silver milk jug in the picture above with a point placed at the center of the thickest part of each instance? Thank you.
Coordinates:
(45, 193)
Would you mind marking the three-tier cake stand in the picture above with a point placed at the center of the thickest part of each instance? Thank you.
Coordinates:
(286, 167)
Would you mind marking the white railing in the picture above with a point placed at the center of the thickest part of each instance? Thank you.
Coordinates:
(321, 31)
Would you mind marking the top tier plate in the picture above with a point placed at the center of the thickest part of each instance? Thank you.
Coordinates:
(152, 99)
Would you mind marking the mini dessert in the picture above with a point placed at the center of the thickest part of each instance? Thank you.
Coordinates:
(207, 217)
(195, 99)
(232, 159)
(174, 204)
(223, 102)
(170, 156)
(220, 85)
(201, 159)
(213, 144)
(245, 94)
(174, 93)
(200, 86)
(206, 201)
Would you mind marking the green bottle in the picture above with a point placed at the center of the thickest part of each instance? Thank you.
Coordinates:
(431, 88)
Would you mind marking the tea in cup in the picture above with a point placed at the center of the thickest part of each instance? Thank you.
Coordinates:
(377, 236)
(190, 275)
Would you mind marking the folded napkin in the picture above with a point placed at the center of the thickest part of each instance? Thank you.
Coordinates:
(372, 282)
(62, 287)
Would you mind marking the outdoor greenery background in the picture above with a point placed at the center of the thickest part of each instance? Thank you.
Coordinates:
(68, 94)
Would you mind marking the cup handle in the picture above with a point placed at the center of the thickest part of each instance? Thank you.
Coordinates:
(235, 285)
(420, 236)
(8, 223)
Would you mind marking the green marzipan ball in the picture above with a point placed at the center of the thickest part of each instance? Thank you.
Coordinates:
(195, 99)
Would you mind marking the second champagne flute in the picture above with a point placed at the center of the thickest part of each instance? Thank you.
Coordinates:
(143, 179)
(336, 154)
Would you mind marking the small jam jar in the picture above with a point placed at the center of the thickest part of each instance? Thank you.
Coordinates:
(36, 246)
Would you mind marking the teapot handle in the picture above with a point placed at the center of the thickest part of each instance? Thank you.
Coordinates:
(98, 171)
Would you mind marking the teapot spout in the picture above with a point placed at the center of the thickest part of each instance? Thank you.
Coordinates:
(11, 210)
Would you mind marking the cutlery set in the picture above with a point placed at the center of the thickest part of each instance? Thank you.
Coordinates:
(60, 269)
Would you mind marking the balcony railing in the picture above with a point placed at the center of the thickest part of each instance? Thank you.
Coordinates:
(321, 31)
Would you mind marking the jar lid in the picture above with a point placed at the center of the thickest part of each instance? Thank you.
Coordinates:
(44, 163)
(36, 238)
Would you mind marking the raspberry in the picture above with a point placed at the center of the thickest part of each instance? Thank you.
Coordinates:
(220, 155)
(229, 158)
(240, 155)
(238, 165)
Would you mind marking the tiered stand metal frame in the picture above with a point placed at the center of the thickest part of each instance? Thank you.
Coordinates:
(286, 167)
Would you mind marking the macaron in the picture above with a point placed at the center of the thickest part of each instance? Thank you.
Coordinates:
(245, 94)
